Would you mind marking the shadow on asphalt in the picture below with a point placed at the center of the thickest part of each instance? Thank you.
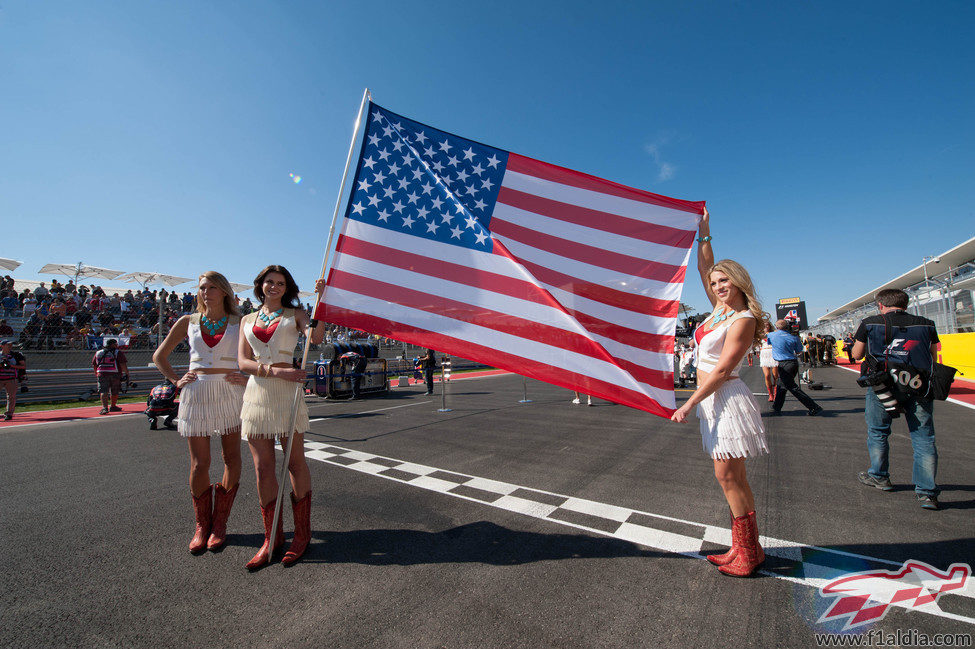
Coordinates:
(481, 542)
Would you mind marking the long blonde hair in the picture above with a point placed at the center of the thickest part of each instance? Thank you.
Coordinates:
(743, 281)
(229, 299)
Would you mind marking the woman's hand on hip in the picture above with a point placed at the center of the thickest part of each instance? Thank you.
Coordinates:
(188, 378)
(236, 378)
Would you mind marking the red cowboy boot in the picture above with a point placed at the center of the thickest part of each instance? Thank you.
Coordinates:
(203, 511)
(223, 501)
(729, 556)
(302, 514)
(744, 533)
(263, 556)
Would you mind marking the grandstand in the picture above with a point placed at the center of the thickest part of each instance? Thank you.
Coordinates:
(942, 288)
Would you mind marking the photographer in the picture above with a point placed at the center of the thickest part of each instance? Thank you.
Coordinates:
(785, 349)
(11, 364)
(907, 344)
(111, 369)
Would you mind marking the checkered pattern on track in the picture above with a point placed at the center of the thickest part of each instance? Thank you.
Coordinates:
(809, 565)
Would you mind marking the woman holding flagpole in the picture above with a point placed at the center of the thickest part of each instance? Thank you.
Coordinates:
(266, 351)
(731, 424)
(210, 402)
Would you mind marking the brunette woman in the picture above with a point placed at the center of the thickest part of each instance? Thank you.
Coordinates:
(266, 351)
(731, 425)
(210, 402)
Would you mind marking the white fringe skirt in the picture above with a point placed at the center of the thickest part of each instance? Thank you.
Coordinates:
(267, 408)
(731, 424)
(208, 406)
(765, 358)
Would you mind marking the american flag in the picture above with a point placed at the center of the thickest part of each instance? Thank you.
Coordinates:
(494, 257)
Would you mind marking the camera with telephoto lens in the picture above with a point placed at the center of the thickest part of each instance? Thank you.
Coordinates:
(882, 384)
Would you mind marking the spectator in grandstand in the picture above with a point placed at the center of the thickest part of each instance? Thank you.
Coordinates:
(5, 329)
(7, 284)
(770, 368)
(105, 318)
(58, 307)
(429, 362)
(72, 337)
(731, 424)
(70, 287)
(51, 329)
(10, 304)
(82, 316)
(785, 350)
(11, 363)
(29, 306)
(267, 342)
(111, 368)
(41, 291)
(31, 330)
(246, 306)
(895, 337)
(210, 403)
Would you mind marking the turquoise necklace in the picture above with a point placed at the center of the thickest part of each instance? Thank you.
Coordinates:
(720, 316)
(211, 326)
(268, 319)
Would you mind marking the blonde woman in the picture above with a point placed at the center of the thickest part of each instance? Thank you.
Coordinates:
(212, 392)
(265, 351)
(731, 425)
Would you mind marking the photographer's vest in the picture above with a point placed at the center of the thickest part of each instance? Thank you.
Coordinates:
(106, 362)
(223, 355)
(903, 339)
(7, 370)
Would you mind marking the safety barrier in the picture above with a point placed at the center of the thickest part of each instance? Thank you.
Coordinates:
(81, 385)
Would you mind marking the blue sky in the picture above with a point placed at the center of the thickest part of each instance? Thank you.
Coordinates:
(832, 141)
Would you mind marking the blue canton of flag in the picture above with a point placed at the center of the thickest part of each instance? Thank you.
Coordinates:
(422, 181)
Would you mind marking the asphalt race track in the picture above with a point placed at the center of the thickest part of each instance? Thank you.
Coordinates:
(498, 524)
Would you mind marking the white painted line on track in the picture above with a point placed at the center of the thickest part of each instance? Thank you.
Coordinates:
(808, 565)
(952, 400)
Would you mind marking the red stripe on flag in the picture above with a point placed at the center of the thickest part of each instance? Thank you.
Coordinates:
(645, 305)
(633, 266)
(496, 320)
(606, 221)
(495, 358)
(473, 277)
(547, 171)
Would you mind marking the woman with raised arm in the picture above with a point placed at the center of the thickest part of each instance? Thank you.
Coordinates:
(210, 402)
(266, 352)
(731, 425)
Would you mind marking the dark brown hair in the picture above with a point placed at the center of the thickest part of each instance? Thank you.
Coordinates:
(290, 298)
(893, 298)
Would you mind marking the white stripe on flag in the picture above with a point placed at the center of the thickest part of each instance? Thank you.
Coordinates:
(646, 212)
(658, 253)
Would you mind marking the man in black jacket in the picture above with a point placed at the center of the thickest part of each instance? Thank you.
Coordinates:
(897, 338)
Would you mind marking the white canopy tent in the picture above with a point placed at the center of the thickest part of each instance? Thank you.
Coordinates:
(9, 264)
(147, 278)
(79, 270)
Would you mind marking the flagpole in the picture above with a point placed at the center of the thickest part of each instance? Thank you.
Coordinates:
(283, 473)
